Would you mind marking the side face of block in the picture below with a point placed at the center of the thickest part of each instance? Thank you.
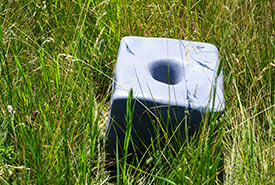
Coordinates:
(151, 120)
(168, 77)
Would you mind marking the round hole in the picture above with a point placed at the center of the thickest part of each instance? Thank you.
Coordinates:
(165, 71)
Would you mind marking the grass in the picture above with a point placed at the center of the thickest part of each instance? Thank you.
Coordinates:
(56, 64)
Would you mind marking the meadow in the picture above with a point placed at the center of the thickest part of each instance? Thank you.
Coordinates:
(56, 66)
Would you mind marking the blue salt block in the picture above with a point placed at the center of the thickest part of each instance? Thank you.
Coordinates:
(174, 82)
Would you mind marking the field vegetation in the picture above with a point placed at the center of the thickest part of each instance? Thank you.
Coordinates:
(56, 65)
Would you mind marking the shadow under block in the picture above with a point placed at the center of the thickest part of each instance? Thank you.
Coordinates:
(169, 78)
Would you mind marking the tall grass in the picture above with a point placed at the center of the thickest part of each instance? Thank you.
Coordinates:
(56, 64)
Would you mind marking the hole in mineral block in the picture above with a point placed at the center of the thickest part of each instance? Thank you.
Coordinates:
(166, 71)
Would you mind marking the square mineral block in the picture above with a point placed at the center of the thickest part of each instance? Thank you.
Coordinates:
(169, 77)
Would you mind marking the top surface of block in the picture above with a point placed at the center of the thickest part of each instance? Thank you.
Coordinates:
(169, 71)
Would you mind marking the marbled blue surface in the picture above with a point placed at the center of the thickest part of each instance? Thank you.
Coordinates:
(168, 76)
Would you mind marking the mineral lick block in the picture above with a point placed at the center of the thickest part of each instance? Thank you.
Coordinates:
(168, 77)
